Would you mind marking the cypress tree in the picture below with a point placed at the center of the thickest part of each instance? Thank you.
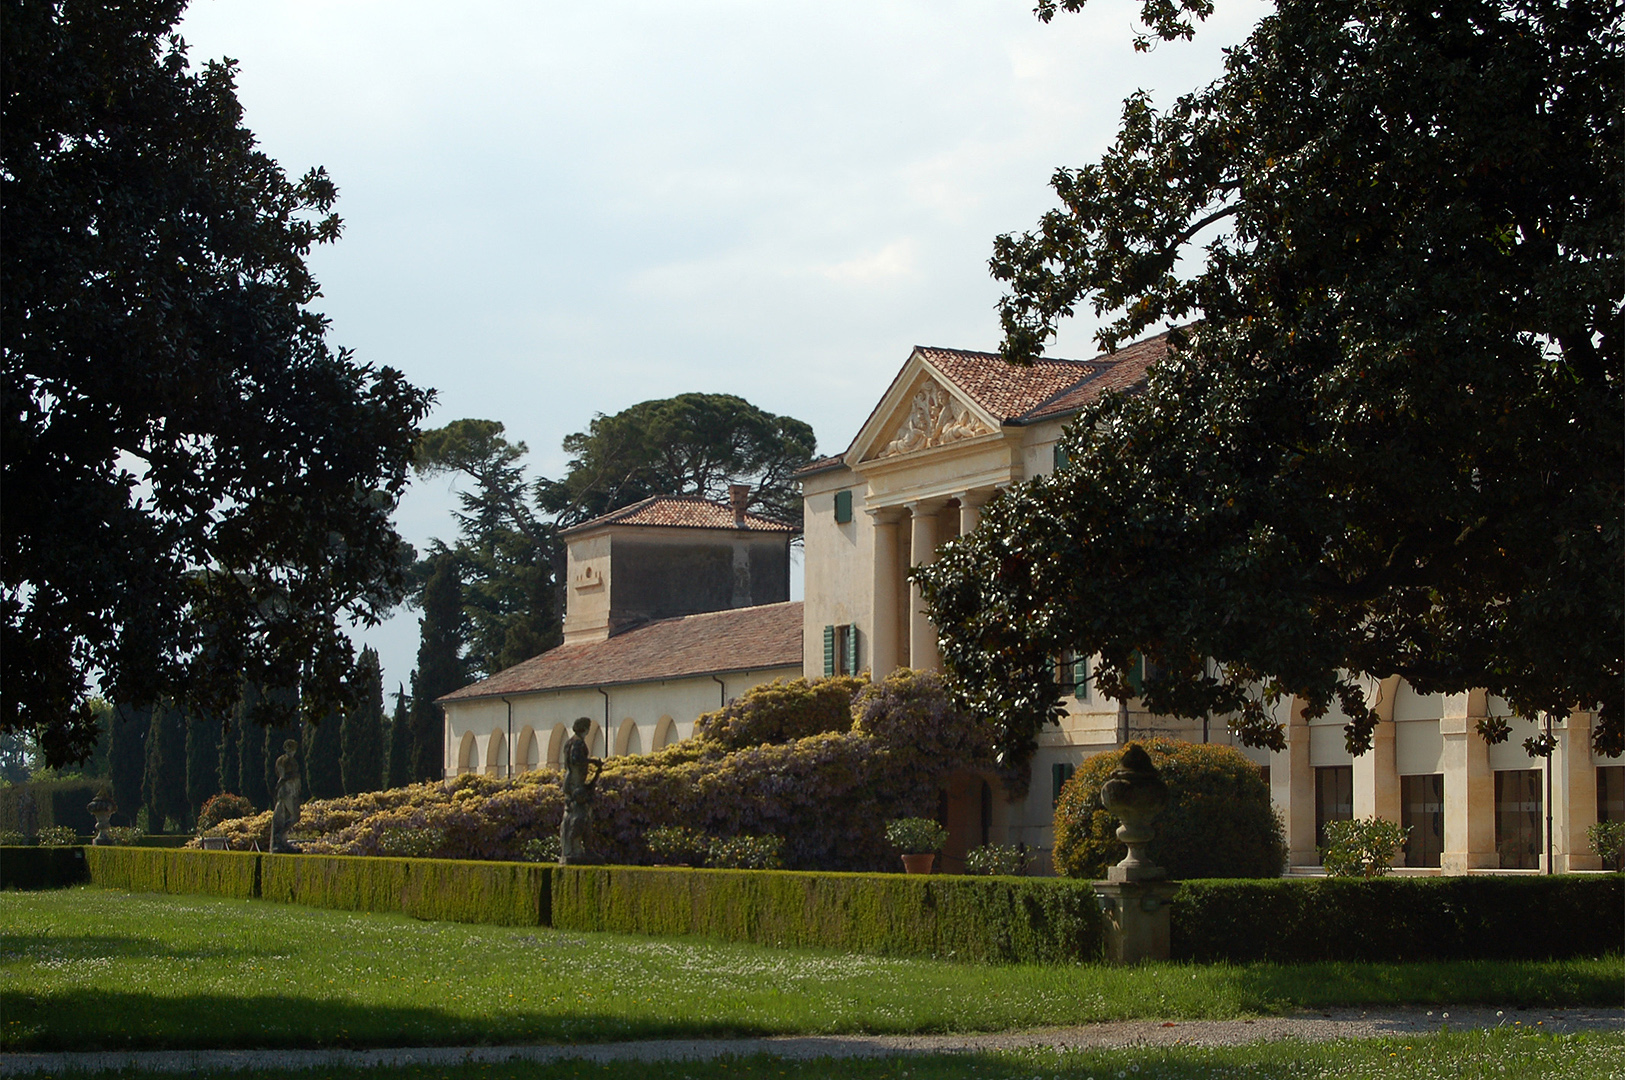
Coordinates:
(400, 741)
(323, 740)
(362, 762)
(229, 756)
(279, 714)
(202, 760)
(163, 785)
(440, 664)
(251, 749)
(127, 758)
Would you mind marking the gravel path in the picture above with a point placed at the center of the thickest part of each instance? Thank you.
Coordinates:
(1311, 1026)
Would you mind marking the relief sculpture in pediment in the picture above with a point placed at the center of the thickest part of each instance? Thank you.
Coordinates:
(934, 419)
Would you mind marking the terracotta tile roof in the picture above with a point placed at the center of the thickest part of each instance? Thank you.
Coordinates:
(1005, 390)
(681, 512)
(741, 639)
(818, 465)
(1120, 371)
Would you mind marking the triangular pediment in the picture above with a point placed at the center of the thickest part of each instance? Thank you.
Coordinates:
(921, 410)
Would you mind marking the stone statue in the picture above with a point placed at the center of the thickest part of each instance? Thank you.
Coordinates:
(1136, 794)
(102, 808)
(285, 810)
(578, 787)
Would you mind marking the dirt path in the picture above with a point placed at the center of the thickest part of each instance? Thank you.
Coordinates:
(1310, 1026)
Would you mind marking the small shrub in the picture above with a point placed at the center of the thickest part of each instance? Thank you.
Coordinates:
(916, 835)
(12, 838)
(1218, 821)
(676, 845)
(543, 849)
(222, 807)
(57, 836)
(1608, 842)
(1362, 847)
(123, 835)
(746, 853)
(780, 711)
(997, 860)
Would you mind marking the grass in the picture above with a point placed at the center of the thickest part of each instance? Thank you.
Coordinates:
(88, 968)
(1494, 1055)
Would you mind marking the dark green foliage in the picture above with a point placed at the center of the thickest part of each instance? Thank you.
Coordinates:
(202, 759)
(1388, 439)
(782, 711)
(692, 444)
(400, 742)
(251, 748)
(56, 802)
(42, 867)
(440, 667)
(127, 759)
(1218, 822)
(362, 761)
(506, 555)
(230, 758)
(322, 751)
(163, 785)
(196, 484)
(1405, 919)
(973, 919)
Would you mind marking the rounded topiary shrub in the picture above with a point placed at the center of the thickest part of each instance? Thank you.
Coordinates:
(222, 807)
(1218, 822)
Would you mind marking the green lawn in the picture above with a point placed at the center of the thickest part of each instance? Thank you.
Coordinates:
(1499, 1055)
(84, 968)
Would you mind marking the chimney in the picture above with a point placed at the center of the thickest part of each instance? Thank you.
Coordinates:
(739, 499)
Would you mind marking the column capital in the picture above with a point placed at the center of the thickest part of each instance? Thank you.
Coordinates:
(923, 507)
(885, 515)
(976, 497)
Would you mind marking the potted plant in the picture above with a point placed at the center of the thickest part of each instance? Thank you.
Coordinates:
(919, 840)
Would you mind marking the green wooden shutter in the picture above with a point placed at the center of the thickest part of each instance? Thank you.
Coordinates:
(851, 650)
(829, 651)
(843, 507)
(1059, 774)
(1080, 677)
(1062, 458)
(1136, 673)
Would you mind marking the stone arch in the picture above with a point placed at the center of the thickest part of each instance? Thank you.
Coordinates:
(555, 743)
(665, 733)
(527, 753)
(496, 754)
(628, 740)
(465, 753)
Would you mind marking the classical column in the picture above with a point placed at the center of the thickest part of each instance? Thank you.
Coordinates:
(1574, 795)
(970, 510)
(1376, 777)
(883, 635)
(922, 633)
(1469, 788)
(1292, 789)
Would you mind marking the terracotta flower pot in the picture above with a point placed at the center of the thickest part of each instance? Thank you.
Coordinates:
(919, 864)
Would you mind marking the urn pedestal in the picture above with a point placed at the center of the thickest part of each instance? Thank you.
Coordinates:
(1134, 897)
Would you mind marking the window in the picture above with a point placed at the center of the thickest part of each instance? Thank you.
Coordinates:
(1611, 793)
(840, 650)
(1060, 459)
(1334, 797)
(1072, 674)
(1140, 672)
(1059, 774)
(1421, 807)
(843, 507)
(1518, 805)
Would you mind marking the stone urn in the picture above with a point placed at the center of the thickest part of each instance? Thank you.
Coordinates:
(102, 808)
(1136, 795)
(919, 864)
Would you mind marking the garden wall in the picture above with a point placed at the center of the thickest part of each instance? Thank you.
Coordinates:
(1046, 920)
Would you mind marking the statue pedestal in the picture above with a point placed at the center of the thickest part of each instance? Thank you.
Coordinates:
(1137, 926)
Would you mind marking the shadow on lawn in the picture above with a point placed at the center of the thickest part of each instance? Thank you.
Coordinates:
(1527, 984)
(121, 1020)
(24, 947)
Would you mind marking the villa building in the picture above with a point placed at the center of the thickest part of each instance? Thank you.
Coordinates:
(676, 605)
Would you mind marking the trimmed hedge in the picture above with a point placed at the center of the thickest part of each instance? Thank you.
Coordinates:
(42, 867)
(1479, 917)
(507, 894)
(56, 802)
(173, 870)
(1041, 920)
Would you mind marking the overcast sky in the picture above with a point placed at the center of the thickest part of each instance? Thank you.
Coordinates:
(556, 210)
